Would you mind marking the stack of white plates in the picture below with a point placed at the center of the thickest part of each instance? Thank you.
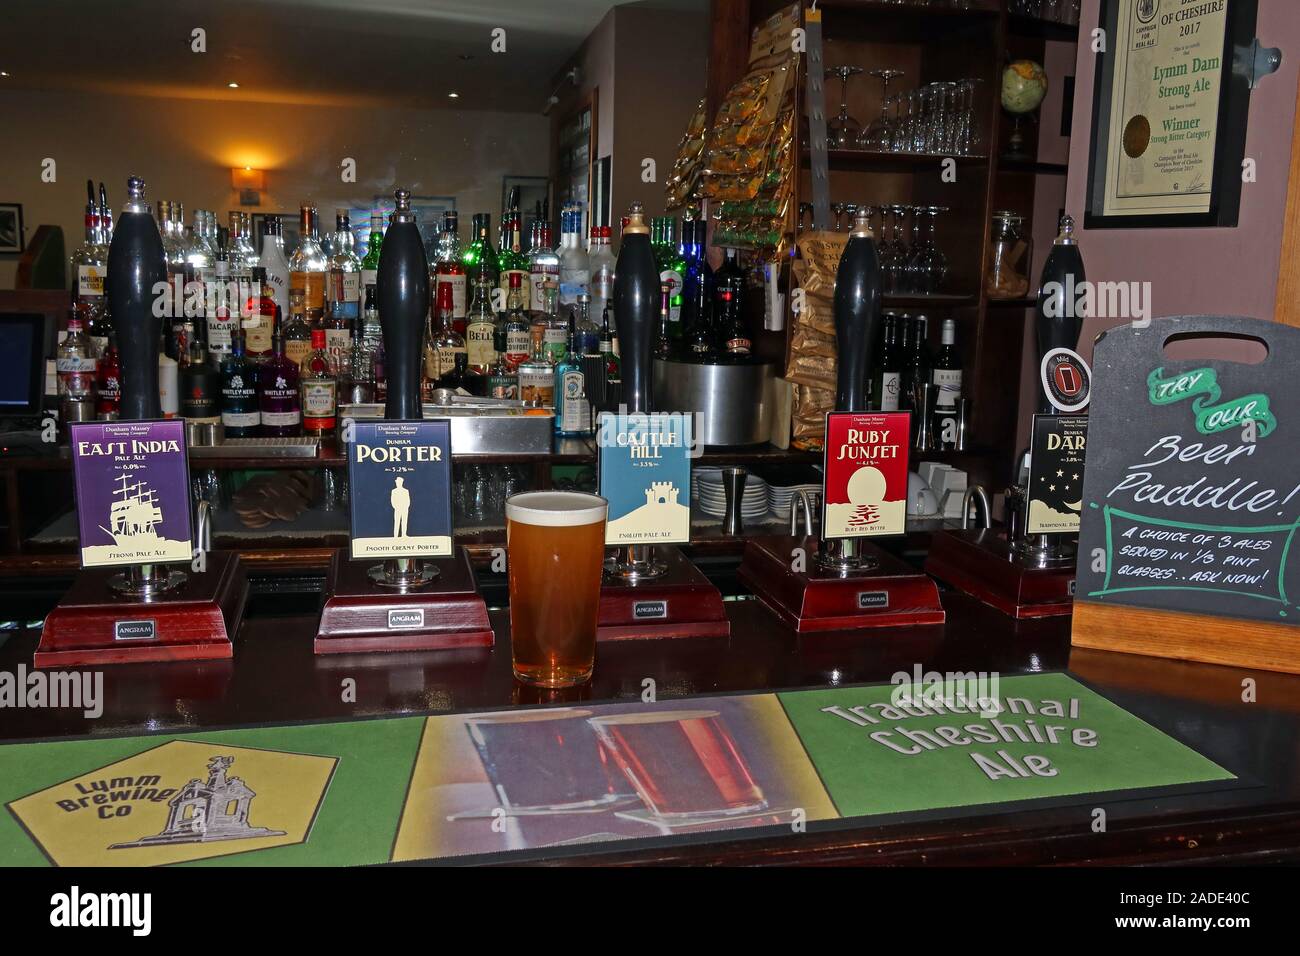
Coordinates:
(782, 498)
(708, 492)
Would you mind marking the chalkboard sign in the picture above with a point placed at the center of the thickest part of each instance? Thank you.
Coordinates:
(1191, 498)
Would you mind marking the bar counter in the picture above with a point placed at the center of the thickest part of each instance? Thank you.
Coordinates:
(275, 679)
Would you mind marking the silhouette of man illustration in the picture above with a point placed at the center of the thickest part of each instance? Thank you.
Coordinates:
(400, 499)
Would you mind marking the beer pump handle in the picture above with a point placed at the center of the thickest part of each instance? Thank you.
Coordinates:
(136, 267)
(402, 296)
(857, 314)
(636, 302)
(1057, 320)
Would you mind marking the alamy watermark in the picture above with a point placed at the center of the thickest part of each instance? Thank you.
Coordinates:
(1129, 301)
(71, 690)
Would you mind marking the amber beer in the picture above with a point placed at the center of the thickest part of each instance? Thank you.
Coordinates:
(556, 544)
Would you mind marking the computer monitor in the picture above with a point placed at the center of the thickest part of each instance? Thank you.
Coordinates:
(22, 363)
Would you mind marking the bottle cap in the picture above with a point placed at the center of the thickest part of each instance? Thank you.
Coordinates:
(1066, 237)
(403, 212)
(635, 224)
(318, 338)
(135, 201)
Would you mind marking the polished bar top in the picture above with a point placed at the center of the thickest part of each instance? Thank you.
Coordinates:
(275, 678)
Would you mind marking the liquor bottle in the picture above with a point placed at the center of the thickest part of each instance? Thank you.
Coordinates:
(444, 342)
(575, 265)
(200, 384)
(240, 413)
(378, 375)
(554, 330)
(481, 327)
(75, 364)
(308, 267)
(729, 276)
(588, 334)
(672, 272)
(449, 269)
(358, 381)
(503, 380)
(344, 292)
(479, 258)
(372, 332)
(461, 378)
(537, 379)
(135, 267)
(261, 317)
(606, 349)
(108, 382)
(240, 272)
(173, 237)
(517, 328)
(250, 253)
(297, 333)
(105, 218)
(543, 267)
(319, 389)
(273, 262)
(733, 331)
(916, 358)
(664, 340)
(946, 370)
(888, 381)
(572, 410)
(511, 259)
(169, 405)
(278, 400)
(370, 264)
(221, 317)
(601, 266)
(338, 336)
(697, 294)
(89, 263)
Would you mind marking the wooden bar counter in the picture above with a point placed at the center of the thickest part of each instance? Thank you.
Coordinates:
(275, 678)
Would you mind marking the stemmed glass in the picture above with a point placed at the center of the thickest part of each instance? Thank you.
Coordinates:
(878, 135)
(968, 135)
(843, 131)
(928, 266)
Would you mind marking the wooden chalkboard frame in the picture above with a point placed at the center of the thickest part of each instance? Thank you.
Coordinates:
(1220, 625)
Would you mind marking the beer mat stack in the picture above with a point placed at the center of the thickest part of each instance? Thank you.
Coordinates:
(811, 365)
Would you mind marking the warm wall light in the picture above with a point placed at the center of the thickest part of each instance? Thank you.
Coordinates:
(250, 183)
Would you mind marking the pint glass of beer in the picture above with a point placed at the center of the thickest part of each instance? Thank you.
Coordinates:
(556, 544)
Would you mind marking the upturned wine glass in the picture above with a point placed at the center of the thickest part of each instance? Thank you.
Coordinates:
(879, 135)
(843, 131)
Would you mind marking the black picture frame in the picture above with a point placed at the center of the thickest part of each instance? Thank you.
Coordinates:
(12, 239)
(1230, 141)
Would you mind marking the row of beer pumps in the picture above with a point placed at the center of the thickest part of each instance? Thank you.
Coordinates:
(126, 609)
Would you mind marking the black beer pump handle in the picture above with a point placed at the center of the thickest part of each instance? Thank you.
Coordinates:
(636, 303)
(136, 267)
(857, 314)
(402, 296)
(1057, 320)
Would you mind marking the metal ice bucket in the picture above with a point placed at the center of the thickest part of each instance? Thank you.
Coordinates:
(733, 403)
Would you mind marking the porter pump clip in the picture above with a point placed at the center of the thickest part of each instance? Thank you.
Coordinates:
(402, 296)
(857, 324)
(136, 266)
(636, 302)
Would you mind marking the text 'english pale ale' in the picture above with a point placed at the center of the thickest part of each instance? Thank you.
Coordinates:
(556, 544)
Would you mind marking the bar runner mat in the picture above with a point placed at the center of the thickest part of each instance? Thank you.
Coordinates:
(532, 781)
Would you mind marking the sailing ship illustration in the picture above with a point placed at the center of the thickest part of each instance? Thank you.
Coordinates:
(134, 516)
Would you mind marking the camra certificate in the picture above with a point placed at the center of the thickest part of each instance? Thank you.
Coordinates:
(1164, 106)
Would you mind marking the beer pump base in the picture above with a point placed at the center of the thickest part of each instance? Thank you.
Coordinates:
(96, 623)
(887, 593)
(363, 616)
(982, 563)
(680, 602)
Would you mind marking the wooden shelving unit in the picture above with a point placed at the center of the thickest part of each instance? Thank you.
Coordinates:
(929, 43)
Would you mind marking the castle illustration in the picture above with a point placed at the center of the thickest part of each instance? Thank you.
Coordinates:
(204, 812)
(661, 493)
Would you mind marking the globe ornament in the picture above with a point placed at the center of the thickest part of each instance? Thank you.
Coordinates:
(1024, 85)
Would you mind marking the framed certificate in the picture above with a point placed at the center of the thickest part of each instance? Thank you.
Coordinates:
(1169, 114)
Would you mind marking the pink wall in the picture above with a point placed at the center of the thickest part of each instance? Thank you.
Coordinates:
(1225, 271)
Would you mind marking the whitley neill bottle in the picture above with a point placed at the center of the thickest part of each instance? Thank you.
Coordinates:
(277, 393)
